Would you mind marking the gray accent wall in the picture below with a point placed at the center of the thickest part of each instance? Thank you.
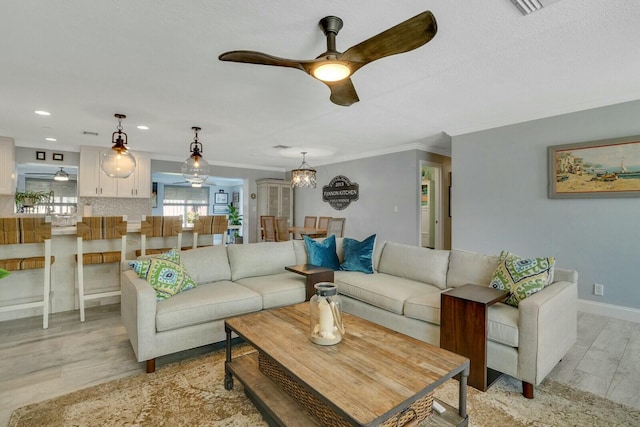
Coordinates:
(499, 201)
(385, 182)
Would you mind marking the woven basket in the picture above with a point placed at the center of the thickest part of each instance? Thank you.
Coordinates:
(418, 410)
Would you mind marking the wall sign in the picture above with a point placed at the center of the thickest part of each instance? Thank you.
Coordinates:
(340, 192)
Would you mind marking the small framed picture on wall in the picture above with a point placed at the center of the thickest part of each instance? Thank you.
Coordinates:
(41, 155)
(221, 198)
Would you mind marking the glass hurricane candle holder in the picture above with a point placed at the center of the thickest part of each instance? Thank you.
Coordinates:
(326, 327)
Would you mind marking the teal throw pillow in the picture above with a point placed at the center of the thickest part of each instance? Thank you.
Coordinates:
(165, 273)
(358, 256)
(322, 254)
(521, 277)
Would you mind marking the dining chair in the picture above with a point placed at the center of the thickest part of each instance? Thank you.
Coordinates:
(336, 227)
(102, 228)
(310, 221)
(282, 229)
(166, 227)
(24, 236)
(268, 228)
(210, 225)
(323, 222)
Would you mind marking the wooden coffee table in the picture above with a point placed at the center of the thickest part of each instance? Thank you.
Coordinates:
(368, 378)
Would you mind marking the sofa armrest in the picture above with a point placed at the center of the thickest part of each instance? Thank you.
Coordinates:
(138, 311)
(548, 322)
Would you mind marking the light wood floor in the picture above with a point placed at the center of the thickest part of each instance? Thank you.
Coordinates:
(37, 364)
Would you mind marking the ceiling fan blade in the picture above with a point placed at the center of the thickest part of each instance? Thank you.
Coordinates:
(251, 57)
(343, 92)
(404, 37)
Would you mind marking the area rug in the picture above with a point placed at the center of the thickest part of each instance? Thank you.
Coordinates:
(191, 393)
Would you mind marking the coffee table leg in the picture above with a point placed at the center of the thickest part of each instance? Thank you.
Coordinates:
(228, 378)
(462, 395)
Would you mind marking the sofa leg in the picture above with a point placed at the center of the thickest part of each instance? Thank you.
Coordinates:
(527, 390)
(151, 365)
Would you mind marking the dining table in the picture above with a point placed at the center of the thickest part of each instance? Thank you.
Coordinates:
(308, 231)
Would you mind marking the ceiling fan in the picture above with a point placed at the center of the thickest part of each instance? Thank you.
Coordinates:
(334, 68)
(206, 183)
(60, 175)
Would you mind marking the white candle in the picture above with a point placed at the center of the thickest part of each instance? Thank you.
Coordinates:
(326, 318)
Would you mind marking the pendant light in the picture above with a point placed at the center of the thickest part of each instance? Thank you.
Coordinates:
(61, 175)
(118, 162)
(195, 169)
(304, 176)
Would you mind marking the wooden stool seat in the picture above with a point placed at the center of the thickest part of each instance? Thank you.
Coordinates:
(159, 251)
(100, 257)
(159, 226)
(30, 263)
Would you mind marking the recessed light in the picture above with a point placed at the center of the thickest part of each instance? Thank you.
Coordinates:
(142, 127)
(42, 113)
(51, 139)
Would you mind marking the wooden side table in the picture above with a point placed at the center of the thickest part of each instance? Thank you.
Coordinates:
(313, 274)
(463, 328)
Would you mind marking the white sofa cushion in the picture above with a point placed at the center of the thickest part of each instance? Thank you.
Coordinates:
(380, 290)
(278, 289)
(207, 264)
(425, 307)
(205, 303)
(260, 259)
(502, 325)
(412, 262)
(470, 267)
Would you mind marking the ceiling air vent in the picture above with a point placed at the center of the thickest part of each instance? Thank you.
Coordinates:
(528, 6)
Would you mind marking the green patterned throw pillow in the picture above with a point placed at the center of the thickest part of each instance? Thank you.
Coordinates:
(165, 273)
(521, 277)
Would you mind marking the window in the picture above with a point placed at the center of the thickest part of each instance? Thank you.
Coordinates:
(65, 194)
(188, 202)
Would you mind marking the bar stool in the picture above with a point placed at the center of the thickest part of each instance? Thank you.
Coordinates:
(99, 228)
(159, 226)
(210, 225)
(21, 231)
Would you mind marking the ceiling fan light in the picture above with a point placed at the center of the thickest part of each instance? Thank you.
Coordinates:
(304, 176)
(331, 72)
(195, 169)
(118, 162)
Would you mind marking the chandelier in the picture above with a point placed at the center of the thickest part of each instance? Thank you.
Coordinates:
(304, 176)
(195, 169)
(118, 162)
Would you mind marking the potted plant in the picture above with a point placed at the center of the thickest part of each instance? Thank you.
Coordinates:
(27, 199)
(235, 219)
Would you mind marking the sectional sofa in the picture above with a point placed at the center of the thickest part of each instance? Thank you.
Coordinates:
(402, 294)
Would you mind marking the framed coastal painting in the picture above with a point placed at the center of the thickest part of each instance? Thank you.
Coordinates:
(604, 168)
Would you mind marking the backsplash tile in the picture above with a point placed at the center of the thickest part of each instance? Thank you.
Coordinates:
(110, 206)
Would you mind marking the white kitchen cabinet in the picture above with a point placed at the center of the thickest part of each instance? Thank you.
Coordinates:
(138, 184)
(275, 197)
(92, 182)
(7, 166)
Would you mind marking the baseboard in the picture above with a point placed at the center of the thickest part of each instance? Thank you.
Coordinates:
(610, 310)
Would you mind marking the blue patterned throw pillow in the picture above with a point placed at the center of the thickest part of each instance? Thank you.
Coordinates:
(358, 256)
(165, 273)
(322, 254)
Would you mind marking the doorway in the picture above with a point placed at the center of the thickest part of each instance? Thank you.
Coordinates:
(430, 203)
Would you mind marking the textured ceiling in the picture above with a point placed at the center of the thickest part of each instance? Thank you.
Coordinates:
(156, 61)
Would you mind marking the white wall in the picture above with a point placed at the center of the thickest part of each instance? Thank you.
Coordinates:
(499, 201)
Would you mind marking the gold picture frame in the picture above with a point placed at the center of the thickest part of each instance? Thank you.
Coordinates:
(594, 169)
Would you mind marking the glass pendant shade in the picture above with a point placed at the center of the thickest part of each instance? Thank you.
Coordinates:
(195, 169)
(61, 175)
(304, 176)
(118, 162)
